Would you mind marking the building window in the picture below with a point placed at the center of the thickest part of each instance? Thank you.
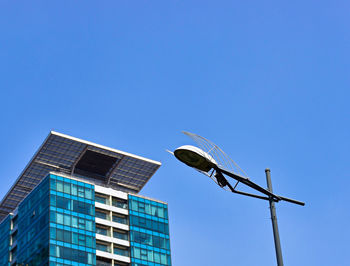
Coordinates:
(120, 219)
(59, 186)
(102, 231)
(121, 234)
(103, 247)
(148, 207)
(63, 203)
(103, 262)
(119, 203)
(82, 207)
(101, 199)
(102, 215)
(117, 263)
(71, 254)
(118, 250)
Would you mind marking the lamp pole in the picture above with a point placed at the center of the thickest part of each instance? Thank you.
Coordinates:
(276, 235)
(206, 164)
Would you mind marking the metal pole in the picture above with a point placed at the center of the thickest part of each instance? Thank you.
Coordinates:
(274, 220)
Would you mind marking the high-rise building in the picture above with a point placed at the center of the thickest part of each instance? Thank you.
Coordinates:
(77, 203)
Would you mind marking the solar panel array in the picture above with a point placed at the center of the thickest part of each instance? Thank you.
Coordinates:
(60, 153)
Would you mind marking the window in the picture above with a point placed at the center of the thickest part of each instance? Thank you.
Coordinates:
(75, 238)
(82, 207)
(74, 190)
(161, 212)
(121, 251)
(149, 207)
(59, 186)
(59, 218)
(89, 241)
(89, 225)
(103, 262)
(154, 210)
(163, 258)
(157, 257)
(142, 207)
(81, 191)
(53, 217)
(144, 253)
(53, 184)
(102, 231)
(75, 222)
(81, 223)
(63, 235)
(148, 255)
(63, 203)
(101, 214)
(149, 224)
(101, 199)
(119, 203)
(142, 238)
(120, 234)
(67, 220)
(117, 263)
(88, 193)
(103, 247)
(120, 219)
(142, 221)
(81, 240)
(66, 188)
(53, 233)
(71, 254)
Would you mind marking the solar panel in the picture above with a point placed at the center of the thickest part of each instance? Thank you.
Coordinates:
(62, 153)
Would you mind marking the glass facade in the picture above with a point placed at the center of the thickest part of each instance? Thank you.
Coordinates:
(33, 227)
(5, 230)
(72, 222)
(149, 232)
(55, 225)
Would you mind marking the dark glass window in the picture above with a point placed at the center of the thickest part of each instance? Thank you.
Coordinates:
(121, 251)
(121, 235)
(102, 231)
(62, 202)
(101, 199)
(73, 254)
(82, 207)
(120, 219)
(149, 224)
(102, 215)
(103, 247)
(119, 203)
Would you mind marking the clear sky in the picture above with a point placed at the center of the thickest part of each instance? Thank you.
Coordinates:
(268, 81)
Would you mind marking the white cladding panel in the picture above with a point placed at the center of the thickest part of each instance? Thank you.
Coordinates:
(113, 240)
(112, 224)
(112, 256)
(111, 208)
(111, 192)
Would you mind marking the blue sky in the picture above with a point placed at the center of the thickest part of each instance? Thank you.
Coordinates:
(268, 81)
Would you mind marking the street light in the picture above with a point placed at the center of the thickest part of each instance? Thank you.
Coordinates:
(205, 163)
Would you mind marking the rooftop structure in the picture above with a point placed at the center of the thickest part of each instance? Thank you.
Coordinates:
(101, 165)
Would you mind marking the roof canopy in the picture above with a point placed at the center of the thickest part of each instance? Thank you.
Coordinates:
(96, 163)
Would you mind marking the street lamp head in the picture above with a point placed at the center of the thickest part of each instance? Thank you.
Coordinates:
(195, 157)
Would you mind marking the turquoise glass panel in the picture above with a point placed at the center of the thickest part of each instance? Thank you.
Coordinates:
(5, 230)
(33, 226)
(72, 222)
(149, 232)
